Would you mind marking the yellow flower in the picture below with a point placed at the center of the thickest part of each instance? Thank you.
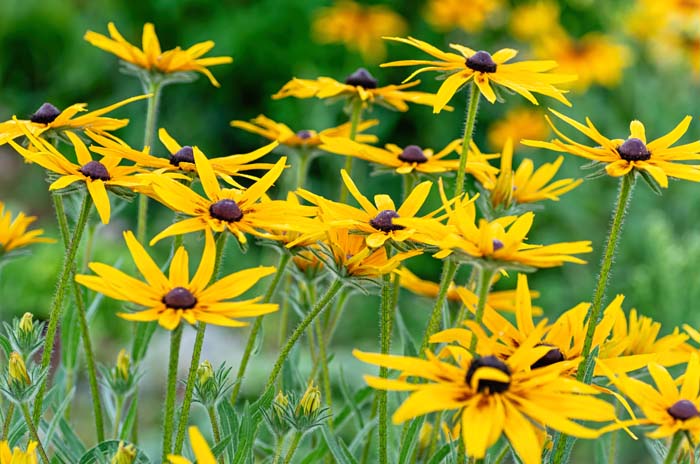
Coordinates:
(359, 27)
(202, 452)
(50, 120)
(491, 397)
(17, 369)
(169, 299)
(310, 400)
(634, 154)
(517, 124)
(469, 15)
(281, 133)
(527, 185)
(360, 84)
(151, 58)
(532, 21)
(484, 69)
(13, 232)
(16, 455)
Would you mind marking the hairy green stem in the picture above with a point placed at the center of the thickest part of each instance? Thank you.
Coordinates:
(33, 432)
(325, 372)
(8, 421)
(673, 449)
(355, 117)
(118, 416)
(472, 109)
(293, 447)
(168, 419)
(485, 276)
(449, 269)
(154, 89)
(214, 424)
(386, 322)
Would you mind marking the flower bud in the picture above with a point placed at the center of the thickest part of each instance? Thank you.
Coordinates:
(205, 373)
(280, 403)
(18, 371)
(123, 365)
(125, 454)
(26, 324)
(310, 401)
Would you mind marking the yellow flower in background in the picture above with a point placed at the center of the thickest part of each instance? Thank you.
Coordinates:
(469, 15)
(535, 20)
(524, 78)
(151, 58)
(170, 298)
(491, 397)
(360, 84)
(200, 448)
(359, 27)
(17, 455)
(97, 176)
(281, 133)
(14, 234)
(517, 124)
(50, 120)
(621, 156)
(525, 184)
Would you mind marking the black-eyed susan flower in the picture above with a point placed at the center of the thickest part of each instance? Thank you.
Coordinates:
(14, 234)
(517, 124)
(98, 176)
(620, 157)
(170, 298)
(491, 397)
(49, 120)
(281, 133)
(200, 448)
(525, 77)
(360, 84)
(531, 21)
(151, 58)
(359, 27)
(469, 15)
(17, 455)
(241, 212)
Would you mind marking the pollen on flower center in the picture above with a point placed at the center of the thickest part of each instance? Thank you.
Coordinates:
(184, 154)
(179, 298)
(384, 221)
(552, 356)
(363, 78)
(226, 210)
(413, 154)
(497, 244)
(481, 61)
(634, 150)
(493, 386)
(95, 171)
(46, 114)
(683, 410)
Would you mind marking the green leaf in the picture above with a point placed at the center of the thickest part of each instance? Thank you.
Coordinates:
(144, 332)
(103, 453)
(441, 453)
(338, 449)
(411, 440)
(345, 391)
(650, 181)
(129, 420)
(58, 414)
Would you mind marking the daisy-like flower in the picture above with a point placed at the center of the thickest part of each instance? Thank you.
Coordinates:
(97, 176)
(170, 298)
(444, 15)
(49, 120)
(360, 84)
(526, 185)
(281, 133)
(620, 157)
(239, 211)
(525, 77)
(17, 455)
(491, 397)
(200, 448)
(519, 123)
(413, 158)
(151, 58)
(359, 27)
(14, 234)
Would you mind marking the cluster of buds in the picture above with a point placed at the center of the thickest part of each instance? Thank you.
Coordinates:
(291, 412)
(212, 386)
(18, 383)
(24, 335)
(122, 378)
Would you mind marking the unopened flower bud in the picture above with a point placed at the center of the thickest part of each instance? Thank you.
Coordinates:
(310, 401)
(280, 403)
(18, 371)
(26, 324)
(205, 373)
(126, 454)
(123, 365)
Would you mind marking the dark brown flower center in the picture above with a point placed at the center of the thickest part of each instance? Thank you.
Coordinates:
(179, 298)
(384, 221)
(683, 410)
(226, 210)
(634, 150)
(183, 155)
(497, 244)
(95, 171)
(481, 61)
(363, 78)
(491, 386)
(552, 356)
(45, 114)
(413, 154)
(305, 134)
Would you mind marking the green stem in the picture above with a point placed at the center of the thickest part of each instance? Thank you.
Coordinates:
(175, 340)
(8, 421)
(449, 269)
(154, 89)
(472, 109)
(325, 372)
(355, 117)
(485, 276)
(284, 259)
(33, 432)
(57, 303)
(673, 449)
(612, 448)
(214, 424)
(315, 311)
(386, 322)
(118, 416)
(278, 449)
(303, 166)
(284, 312)
(293, 447)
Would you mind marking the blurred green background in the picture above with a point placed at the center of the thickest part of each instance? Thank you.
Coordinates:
(44, 58)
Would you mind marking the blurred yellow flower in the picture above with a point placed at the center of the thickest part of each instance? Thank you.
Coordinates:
(518, 123)
(200, 448)
(17, 455)
(469, 15)
(151, 58)
(533, 21)
(359, 27)
(13, 232)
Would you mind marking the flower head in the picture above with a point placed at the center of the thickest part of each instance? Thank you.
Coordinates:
(656, 158)
(310, 401)
(519, 123)
(14, 234)
(17, 369)
(485, 69)
(469, 15)
(169, 299)
(17, 455)
(151, 58)
(201, 450)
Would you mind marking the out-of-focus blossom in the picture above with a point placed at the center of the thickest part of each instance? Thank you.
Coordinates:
(517, 124)
(469, 15)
